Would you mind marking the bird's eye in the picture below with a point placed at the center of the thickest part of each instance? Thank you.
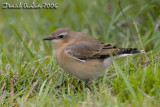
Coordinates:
(61, 36)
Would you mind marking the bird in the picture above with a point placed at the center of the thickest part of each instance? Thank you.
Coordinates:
(83, 56)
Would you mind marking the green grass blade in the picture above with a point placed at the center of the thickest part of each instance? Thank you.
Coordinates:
(128, 85)
(19, 36)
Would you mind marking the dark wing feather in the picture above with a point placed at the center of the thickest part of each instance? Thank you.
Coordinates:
(87, 50)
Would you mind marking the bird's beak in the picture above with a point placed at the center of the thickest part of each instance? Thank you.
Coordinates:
(48, 38)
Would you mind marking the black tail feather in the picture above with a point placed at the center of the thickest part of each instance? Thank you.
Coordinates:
(128, 51)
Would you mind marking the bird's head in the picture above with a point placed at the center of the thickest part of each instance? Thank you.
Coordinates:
(60, 37)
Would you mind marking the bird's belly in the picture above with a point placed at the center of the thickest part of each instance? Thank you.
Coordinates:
(83, 70)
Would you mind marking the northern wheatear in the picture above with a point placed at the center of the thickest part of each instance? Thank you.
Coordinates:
(82, 55)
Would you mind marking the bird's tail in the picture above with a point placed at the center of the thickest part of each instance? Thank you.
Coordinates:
(123, 52)
(128, 51)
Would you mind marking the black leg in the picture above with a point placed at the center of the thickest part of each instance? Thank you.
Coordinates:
(79, 82)
(86, 82)
(76, 88)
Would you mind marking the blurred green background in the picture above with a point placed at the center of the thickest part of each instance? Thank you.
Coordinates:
(25, 58)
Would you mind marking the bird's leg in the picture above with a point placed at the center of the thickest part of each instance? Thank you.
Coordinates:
(79, 82)
(82, 88)
(76, 88)
(86, 82)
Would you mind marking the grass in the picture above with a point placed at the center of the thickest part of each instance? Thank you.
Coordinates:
(29, 72)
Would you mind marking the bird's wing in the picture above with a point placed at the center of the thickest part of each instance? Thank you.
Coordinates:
(88, 50)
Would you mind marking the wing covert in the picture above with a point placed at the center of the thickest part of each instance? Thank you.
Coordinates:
(87, 50)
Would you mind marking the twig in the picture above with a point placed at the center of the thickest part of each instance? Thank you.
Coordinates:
(119, 3)
(128, 24)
